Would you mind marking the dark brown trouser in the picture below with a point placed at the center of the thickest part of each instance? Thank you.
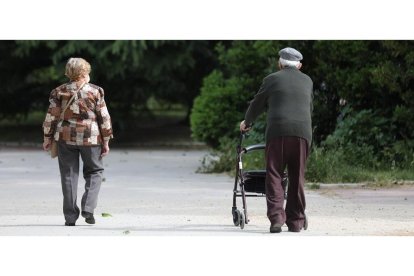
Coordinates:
(291, 152)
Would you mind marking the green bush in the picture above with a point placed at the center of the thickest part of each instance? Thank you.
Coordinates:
(324, 165)
(366, 140)
(331, 166)
(222, 159)
(319, 166)
(219, 109)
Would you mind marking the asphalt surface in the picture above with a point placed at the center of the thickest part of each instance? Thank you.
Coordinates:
(158, 193)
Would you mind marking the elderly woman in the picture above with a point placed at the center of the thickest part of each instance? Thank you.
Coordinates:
(79, 121)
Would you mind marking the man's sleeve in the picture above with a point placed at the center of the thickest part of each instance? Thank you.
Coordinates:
(258, 104)
(311, 102)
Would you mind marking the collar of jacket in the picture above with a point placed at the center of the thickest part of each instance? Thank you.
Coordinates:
(290, 68)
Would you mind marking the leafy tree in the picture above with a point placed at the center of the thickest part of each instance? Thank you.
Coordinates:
(130, 71)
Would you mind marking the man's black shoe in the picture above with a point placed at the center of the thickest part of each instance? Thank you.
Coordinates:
(276, 228)
(88, 217)
(294, 230)
(69, 224)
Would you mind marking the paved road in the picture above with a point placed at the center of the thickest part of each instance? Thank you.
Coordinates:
(158, 192)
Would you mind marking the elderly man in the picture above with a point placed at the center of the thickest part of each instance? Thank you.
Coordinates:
(287, 95)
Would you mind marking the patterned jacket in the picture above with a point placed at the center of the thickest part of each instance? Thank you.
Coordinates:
(86, 121)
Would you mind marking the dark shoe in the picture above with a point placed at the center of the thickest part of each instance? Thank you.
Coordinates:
(88, 217)
(69, 224)
(276, 228)
(292, 229)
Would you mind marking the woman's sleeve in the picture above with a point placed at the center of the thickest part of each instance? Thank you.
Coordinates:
(103, 118)
(52, 115)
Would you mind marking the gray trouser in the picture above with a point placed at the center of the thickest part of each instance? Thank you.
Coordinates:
(68, 156)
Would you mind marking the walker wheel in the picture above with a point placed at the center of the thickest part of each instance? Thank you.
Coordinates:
(236, 217)
(305, 224)
(242, 220)
(285, 184)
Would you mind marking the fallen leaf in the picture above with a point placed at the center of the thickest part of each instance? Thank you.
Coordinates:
(105, 215)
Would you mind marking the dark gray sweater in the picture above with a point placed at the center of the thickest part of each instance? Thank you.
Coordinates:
(287, 96)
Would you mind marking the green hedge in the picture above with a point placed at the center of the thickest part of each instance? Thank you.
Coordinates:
(219, 108)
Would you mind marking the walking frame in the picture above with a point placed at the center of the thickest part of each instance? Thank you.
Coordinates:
(250, 183)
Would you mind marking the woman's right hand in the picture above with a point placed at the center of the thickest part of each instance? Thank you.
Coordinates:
(105, 149)
(46, 144)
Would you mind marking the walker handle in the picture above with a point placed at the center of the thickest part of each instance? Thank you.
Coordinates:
(242, 135)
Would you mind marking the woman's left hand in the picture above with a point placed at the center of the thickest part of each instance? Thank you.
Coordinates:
(46, 144)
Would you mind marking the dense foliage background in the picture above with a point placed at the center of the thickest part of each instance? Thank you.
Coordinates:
(131, 71)
(371, 131)
(211, 83)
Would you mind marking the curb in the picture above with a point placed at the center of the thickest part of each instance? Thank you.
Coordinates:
(316, 186)
(391, 184)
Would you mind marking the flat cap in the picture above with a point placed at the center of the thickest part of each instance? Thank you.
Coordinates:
(290, 54)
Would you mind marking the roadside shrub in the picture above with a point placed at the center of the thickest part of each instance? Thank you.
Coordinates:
(400, 155)
(223, 158)
(331, 166)
(361, 136)
(324, 165)
(218, 110)
(319, 166)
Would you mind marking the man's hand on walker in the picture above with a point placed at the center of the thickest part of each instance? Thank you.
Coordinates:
(243, 127)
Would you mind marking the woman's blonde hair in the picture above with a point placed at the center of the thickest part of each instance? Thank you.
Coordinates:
(76, 67)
